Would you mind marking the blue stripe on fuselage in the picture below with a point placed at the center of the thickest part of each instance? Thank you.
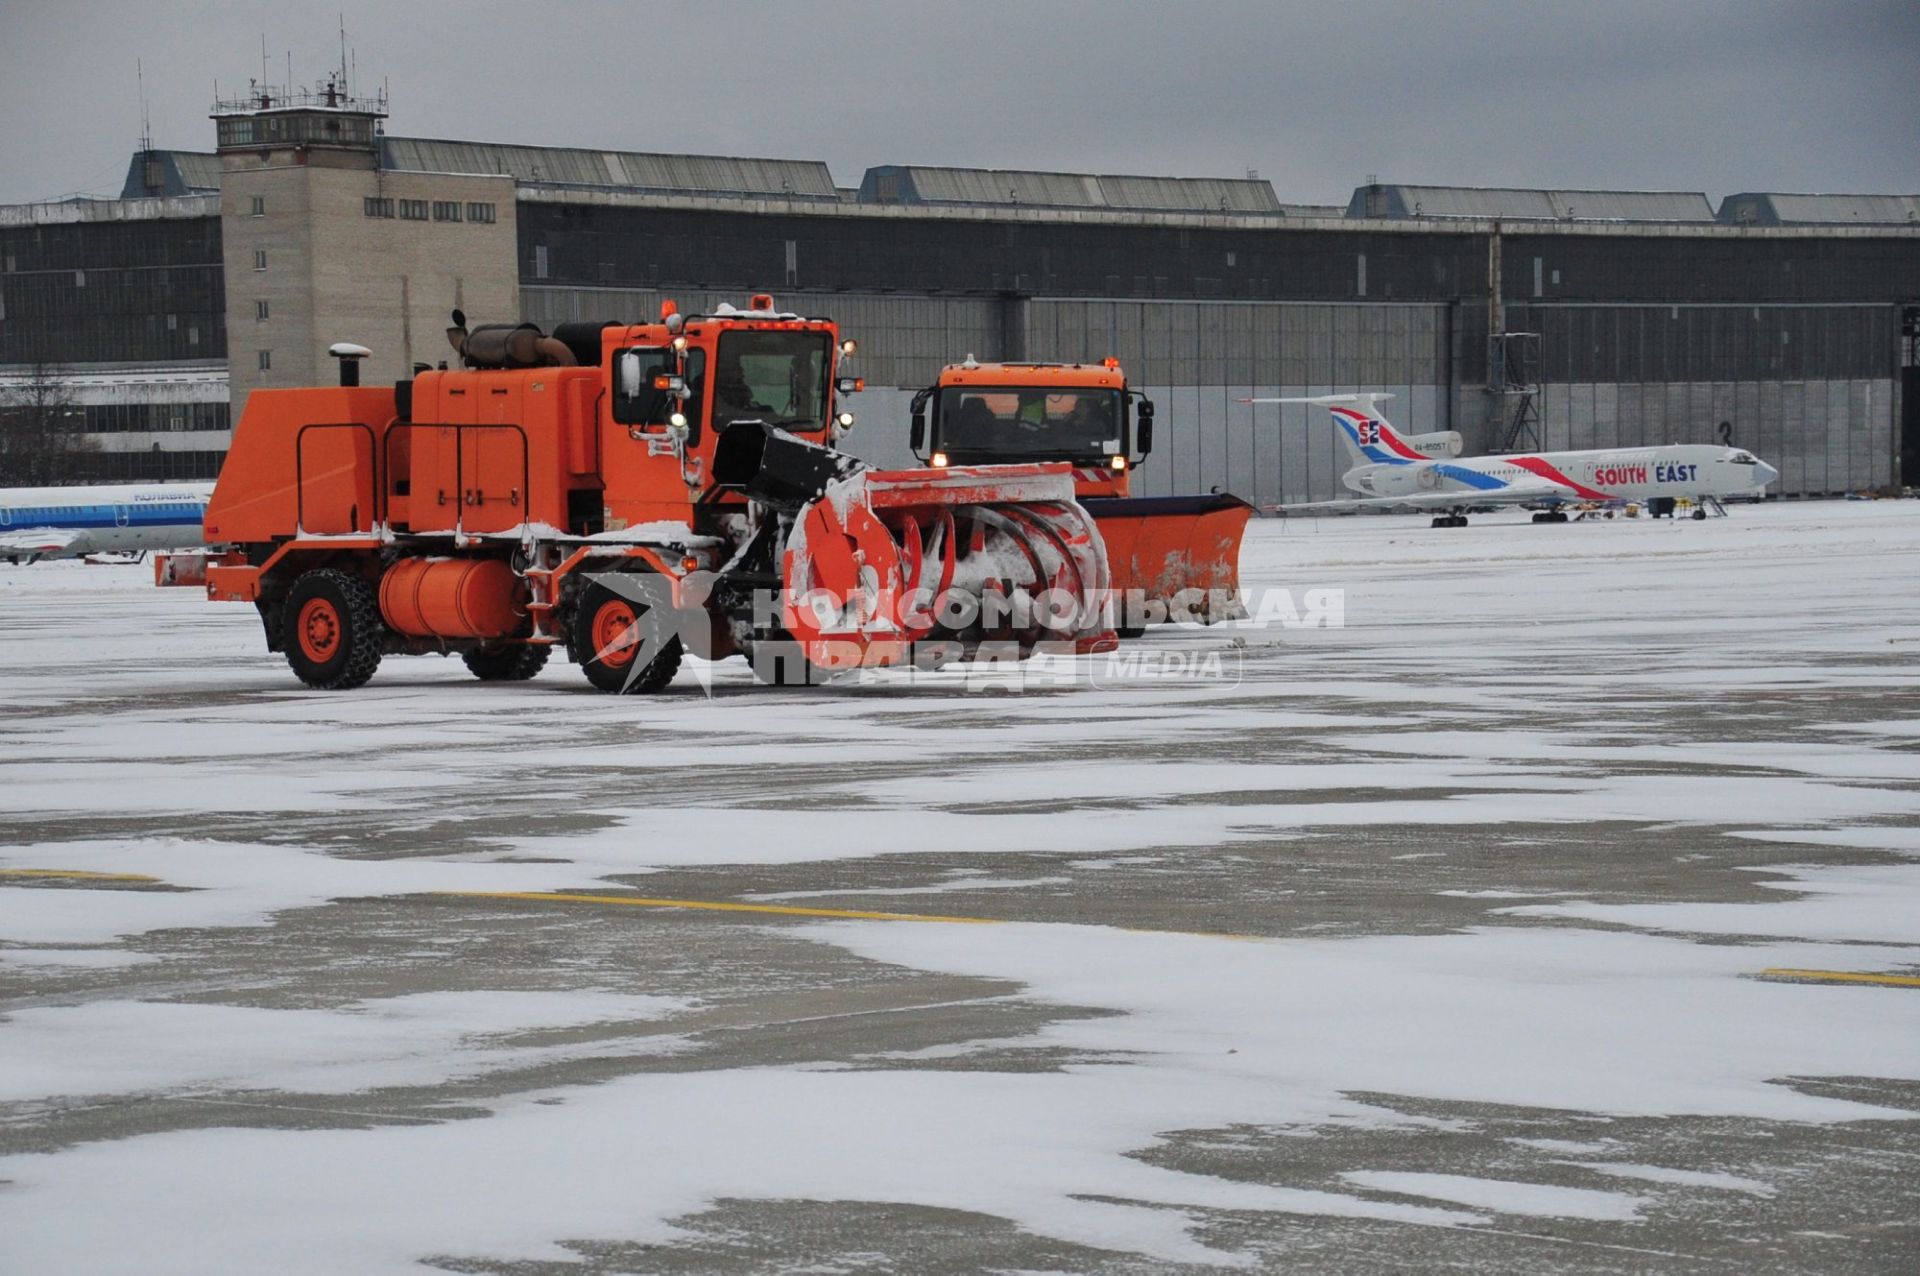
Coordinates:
(1472, 478)
(95, 517)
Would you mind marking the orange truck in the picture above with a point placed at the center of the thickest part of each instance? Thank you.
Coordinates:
(629, 491)
(1169, 557)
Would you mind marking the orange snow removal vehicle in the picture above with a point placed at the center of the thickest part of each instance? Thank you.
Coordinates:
(1169, 557)
(629, 491)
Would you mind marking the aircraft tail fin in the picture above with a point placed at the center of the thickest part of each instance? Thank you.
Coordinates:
(1369, 438)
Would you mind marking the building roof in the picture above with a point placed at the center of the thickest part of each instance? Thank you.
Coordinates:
(1767, 208)
(1510, 204)
(167, 174)
(615, 170)
(913, 184)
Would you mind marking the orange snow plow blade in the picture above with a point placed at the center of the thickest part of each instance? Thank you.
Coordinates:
(1179, 555)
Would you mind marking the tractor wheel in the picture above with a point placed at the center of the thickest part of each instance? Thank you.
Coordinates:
(782, 662)
(610, 632)
(331, 629)
(515, 663)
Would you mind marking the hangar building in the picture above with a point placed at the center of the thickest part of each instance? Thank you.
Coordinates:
(1527, 318)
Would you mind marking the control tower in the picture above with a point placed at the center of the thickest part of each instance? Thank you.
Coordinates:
(323, 126)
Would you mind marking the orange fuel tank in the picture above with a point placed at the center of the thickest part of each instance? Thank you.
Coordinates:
(453, 598)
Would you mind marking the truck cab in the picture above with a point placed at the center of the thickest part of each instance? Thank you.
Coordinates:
(1170, 558)
(995, 413)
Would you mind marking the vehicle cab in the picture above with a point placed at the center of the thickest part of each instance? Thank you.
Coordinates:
(676, 385)
(997, 413)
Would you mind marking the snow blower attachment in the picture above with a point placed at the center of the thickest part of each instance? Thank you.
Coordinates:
(1170, 558)
(632, 492)
(942, 560)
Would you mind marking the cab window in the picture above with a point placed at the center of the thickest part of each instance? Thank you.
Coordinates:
(648, 406)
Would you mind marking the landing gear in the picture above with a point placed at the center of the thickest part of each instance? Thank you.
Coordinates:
(331, 629)
(1450, 520)
(1550, 516)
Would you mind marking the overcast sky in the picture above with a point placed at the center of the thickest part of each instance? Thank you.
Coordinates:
(1713, 95)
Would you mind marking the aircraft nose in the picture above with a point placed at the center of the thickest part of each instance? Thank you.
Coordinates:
(1764, 474)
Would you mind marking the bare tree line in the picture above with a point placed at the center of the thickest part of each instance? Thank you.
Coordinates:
(42, 443)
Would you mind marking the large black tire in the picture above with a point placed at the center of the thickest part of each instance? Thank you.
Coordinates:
(606, 628)
(782, 662)
(514, 663)
(331, 629)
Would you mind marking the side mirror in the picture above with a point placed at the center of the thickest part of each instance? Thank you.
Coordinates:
(918, 438)
(629, 373)
(1143, 433)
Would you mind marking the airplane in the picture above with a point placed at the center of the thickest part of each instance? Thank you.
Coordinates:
(1426, 471)
(125, 518)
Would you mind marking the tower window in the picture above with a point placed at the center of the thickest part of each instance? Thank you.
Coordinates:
(375, 206)
(446, 210)
(260, 309)
(413, 210)
(259, 259)
(266, 361)
(259, 207)
(480, 212)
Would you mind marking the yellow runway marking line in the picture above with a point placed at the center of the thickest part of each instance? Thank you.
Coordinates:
(792, 910)
(1840, 977)
(721, 906)
(76, 874)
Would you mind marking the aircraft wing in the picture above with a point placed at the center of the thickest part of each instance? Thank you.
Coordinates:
(1512, 494)
(36, 540)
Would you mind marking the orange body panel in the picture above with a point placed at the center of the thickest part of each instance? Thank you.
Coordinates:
(233, 584)
(277, 465)
(488, 451)
(453, 598)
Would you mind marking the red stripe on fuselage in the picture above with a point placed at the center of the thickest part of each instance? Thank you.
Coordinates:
(1534, 465)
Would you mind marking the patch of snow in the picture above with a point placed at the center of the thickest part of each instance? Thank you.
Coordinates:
(125, 1047)
(1847, 904)
(934, 888)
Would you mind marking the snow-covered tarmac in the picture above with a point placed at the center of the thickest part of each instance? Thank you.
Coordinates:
(1438, 938)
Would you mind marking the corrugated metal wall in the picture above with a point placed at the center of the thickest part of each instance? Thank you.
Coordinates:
(1827, 433)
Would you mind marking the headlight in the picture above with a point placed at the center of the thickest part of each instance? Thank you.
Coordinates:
(846, 420)
(1119, 462)
(849, 347)
(939, 460)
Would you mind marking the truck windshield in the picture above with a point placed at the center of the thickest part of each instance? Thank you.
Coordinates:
(777, 377)
(988, 423)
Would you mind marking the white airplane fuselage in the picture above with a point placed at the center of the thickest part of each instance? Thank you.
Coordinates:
(68, 522)
(1689, 471)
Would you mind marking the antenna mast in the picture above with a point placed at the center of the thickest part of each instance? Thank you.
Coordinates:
(146, 124)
